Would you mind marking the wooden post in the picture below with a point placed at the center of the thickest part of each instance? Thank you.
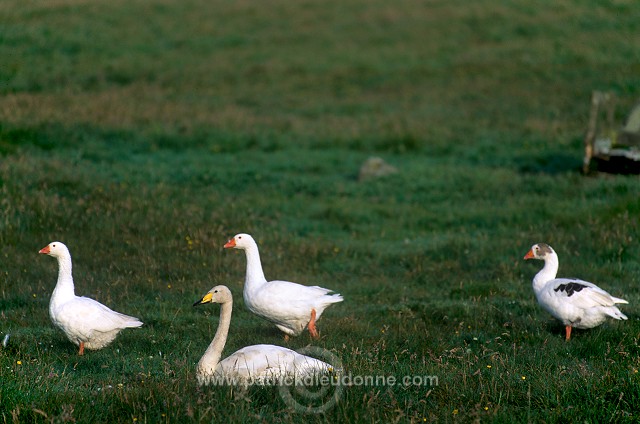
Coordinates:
(590, 137)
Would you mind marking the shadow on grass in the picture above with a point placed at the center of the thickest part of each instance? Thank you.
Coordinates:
(550, 163)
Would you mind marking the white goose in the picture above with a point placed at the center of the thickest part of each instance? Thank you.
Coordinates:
(257, 364)
(87, 323)
(290, 306)
(576, 303)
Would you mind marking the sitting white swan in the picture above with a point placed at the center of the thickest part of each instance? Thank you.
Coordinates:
(290, 306)
(257, 364)
(87, 323)
(576, 303)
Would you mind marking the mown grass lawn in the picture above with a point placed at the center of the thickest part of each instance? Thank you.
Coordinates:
(145, 134)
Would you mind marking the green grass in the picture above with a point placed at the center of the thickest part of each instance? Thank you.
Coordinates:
(145, 134)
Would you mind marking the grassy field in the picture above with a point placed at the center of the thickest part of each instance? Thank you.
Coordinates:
(145, 134)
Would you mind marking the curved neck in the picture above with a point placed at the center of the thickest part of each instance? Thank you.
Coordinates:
(255, 275)
(547, 273)
(64, 287)
(211, 357)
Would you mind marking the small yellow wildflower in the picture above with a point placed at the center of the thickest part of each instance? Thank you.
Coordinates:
(455, 412)
(489, 366)
(168, 286)
(19, 362)
(486, 408)
(524, 378)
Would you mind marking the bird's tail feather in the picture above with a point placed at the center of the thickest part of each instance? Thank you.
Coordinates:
(618, 300)
(614, 312)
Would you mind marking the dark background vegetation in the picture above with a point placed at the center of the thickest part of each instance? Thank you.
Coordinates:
(144, 134)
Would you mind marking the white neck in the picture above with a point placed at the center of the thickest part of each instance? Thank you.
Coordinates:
(64, 290)
(211, 357)
(255, 275)
(547, 273)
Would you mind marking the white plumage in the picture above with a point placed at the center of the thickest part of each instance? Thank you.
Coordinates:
(292, 307)
(577, 303)
(86, 322)
(258, 364)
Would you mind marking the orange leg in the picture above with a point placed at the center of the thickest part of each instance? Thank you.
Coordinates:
(81, 351)
(312, 325)
(568, 329)
(286, 337)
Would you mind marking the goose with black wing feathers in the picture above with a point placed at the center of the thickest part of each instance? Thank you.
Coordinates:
(577, 303)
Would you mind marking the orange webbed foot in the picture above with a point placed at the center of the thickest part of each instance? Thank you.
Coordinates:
(312, 325)
(568, 330)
